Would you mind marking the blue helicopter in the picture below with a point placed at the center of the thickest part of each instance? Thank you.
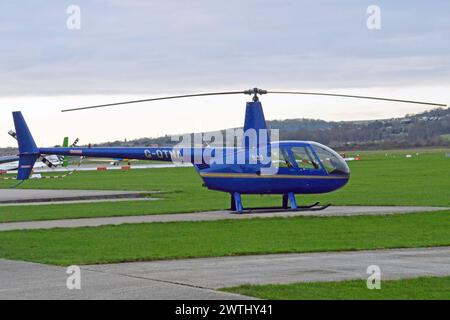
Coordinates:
(286, 168)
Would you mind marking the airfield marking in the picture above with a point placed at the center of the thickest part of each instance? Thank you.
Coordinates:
(198, 278)
(211, 216)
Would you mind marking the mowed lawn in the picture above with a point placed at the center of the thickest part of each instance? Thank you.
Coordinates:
(380, 178)
(152, 241)
(423, 288)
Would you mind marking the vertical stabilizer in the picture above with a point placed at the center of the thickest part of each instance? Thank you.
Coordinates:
(28, 151)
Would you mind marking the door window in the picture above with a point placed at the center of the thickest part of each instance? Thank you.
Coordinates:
(304, 158)
(280, 158)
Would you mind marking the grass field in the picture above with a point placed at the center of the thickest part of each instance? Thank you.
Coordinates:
(422, 288)
(378, 179)
(141, 242)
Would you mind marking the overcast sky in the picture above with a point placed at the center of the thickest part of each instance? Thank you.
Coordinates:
(137, 49)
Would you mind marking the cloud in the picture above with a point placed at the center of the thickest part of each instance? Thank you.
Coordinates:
(135, 49)
(152, 46)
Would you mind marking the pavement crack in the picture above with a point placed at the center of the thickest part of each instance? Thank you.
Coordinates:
(150, 279)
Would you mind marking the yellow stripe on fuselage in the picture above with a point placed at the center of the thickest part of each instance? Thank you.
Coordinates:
(274, 176)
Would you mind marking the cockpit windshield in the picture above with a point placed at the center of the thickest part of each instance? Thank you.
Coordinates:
(332, 162)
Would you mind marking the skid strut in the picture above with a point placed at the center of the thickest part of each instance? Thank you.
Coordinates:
(292, 201)
(289, 199)
(237, 202)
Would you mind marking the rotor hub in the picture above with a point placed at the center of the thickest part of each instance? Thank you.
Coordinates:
(255, 92)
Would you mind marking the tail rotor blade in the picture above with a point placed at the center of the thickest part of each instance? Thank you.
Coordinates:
(74, 144)
(41, 158)
(47, 162)
(12, 134)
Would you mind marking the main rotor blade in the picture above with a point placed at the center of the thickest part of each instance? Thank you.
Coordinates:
(155, 99)
(358, 97)
(255, 92)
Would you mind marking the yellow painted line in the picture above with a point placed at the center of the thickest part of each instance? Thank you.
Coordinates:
(275, 176)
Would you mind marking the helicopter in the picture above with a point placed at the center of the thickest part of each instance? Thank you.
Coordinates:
(260, 166)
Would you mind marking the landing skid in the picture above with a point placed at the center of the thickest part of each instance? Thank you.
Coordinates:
(314, 207)
(289, 204)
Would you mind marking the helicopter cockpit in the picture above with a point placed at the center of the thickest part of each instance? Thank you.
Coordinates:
(332, 162)
(310, 157)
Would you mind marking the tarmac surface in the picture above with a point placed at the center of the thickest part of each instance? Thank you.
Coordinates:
(199, 278)
(212, 216)
(29, 196)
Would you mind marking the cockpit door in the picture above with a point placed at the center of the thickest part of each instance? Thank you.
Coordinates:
(282, 160)
(305, 161)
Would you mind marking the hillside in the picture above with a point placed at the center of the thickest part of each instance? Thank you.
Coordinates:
(426, 129)
(430, 128)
